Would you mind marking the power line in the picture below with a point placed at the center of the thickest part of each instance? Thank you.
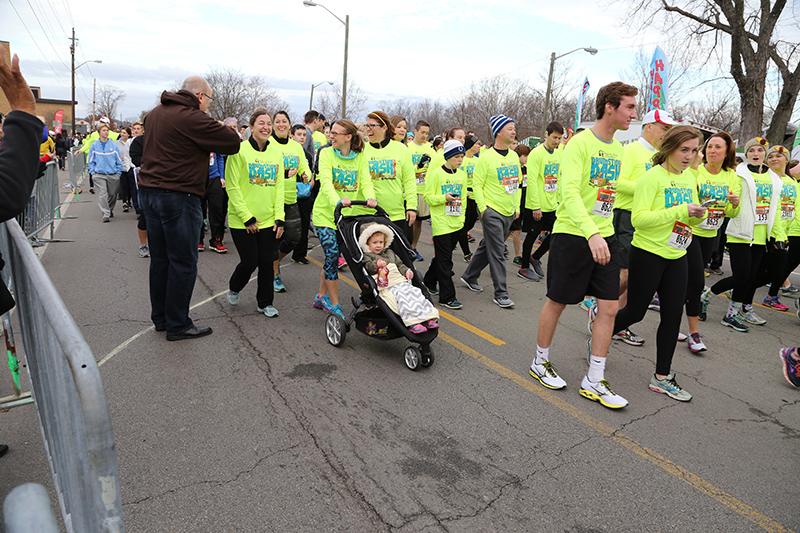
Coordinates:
(58, 19)
(36, 42)
(69, 13)
(46, 32)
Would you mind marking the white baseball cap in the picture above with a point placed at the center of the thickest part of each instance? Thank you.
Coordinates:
(658, 115)
(104, 120)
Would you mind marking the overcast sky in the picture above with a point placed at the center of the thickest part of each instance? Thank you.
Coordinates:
(398, 49)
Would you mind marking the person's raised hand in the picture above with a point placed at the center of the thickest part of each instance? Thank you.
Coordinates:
(14, 86)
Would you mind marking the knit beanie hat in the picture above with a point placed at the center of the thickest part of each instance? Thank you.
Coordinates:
(470, 142)
(497, 122)
(780, 149)
(755, 141)
(453, 147)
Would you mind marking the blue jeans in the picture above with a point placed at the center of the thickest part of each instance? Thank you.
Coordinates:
(173, 223)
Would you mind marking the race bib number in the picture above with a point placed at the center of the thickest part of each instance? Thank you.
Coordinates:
(524, 181)
(421, 178)
(762, 214)
(453, 208)
(714, 220)
(511, 183)
(787, 212)
(550, 184)
(604, 205)
(681, 236)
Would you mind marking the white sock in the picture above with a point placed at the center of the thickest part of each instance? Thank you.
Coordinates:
(597, 367)
(542, 355)
(733, 309)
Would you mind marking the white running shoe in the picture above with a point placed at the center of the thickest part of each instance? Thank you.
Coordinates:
(601, 392)
(682, 336)
(695, 343)
(547, 375)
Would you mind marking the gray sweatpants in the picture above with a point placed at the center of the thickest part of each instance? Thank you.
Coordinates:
(490, 251)
(107, 186)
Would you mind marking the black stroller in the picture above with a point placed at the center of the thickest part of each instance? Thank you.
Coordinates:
(376, 319)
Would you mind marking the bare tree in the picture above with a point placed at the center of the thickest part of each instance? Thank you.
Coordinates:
(237, 95)
(330, 102)
(752, 29)
(108, 101)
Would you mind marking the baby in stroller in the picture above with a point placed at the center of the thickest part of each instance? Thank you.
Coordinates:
(392, 276)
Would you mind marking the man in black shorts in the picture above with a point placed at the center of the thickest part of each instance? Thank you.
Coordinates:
(583, 250)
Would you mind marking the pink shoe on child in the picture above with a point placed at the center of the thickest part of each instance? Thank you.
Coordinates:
(417, 329)
(432, 324)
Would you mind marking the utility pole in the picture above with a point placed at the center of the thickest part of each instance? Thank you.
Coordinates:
(72, 103)
(94, 100)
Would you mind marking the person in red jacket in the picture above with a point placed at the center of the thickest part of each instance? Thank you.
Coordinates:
(172, 180)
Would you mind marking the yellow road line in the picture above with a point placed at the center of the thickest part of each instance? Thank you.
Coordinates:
(681, 473)
(457, 321)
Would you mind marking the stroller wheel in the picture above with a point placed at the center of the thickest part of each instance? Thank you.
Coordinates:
(412, 357)
(335, 330)
(427, 356)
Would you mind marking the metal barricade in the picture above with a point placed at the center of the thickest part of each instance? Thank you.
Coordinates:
(27, 508)
(44, 207)
(68, 394)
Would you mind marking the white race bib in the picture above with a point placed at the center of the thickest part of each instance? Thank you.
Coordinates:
(762, 214)
(453, 208)
(604, 205)
(550, 184)
(681, 236)
(511, 184)
(787, 212)
(714, 220)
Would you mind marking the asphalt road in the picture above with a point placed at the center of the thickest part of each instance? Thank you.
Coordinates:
(264, 426)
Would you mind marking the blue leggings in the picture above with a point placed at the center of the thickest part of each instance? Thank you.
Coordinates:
(330, 245)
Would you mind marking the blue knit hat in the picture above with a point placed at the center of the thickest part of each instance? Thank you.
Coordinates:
(497, 122)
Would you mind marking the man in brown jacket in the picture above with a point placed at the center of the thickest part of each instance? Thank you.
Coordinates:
(172, 180)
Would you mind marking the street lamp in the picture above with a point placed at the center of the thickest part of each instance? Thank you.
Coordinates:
(346, 22)
(311, 100)
(553, 58)
(74, 68)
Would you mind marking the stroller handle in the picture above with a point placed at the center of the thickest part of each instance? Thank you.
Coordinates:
(337, 212)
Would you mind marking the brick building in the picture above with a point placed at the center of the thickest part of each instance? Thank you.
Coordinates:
(45, 107)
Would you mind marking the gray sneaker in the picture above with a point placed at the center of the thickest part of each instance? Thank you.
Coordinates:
(144, 251)
(527, 273)
(537, 267)
(746, 313)
(471, 285)
(669, 387)
(504, 302)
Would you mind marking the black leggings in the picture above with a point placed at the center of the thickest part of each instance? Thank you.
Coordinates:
(745, 263)
(255, 252)
(537, 226)
(697, 257)
(649, 273)
(792, 257)
(771, 271)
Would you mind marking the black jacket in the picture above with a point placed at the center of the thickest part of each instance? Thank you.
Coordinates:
(19, 162)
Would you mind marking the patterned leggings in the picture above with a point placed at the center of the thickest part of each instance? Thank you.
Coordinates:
(330, 245)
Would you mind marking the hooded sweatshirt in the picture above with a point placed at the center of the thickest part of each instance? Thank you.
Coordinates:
(178, 143)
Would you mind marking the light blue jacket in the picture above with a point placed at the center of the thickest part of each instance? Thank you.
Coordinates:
(104, 158)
